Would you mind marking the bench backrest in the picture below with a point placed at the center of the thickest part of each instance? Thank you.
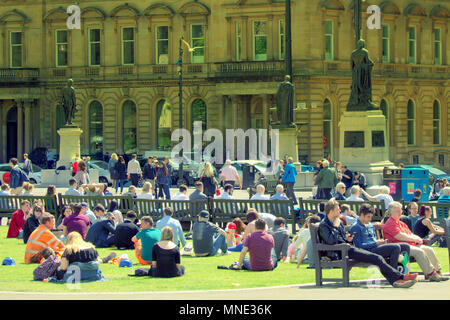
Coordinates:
(9, 204)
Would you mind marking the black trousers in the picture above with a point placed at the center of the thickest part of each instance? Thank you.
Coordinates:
(391, 274)
(134, 179)
(391, 251)
(325, 193)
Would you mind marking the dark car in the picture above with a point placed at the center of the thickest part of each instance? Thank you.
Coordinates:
(38, 156)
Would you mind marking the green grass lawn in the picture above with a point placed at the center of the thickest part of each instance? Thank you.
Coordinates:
(201, 274)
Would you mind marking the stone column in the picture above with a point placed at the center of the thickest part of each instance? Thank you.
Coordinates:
(28, 126)
(20, 104)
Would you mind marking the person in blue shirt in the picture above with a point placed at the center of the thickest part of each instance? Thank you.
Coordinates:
(167, 220)
(99, 232)
(365, 238)
(289, 179)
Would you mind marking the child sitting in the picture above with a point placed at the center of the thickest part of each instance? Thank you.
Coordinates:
(48, 267)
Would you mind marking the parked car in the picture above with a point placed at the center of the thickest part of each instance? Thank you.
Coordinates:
(39, 157)
(259, 167)
(103, 172)
(35, 177)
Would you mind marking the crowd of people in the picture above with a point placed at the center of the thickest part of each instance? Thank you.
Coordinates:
(73, 239)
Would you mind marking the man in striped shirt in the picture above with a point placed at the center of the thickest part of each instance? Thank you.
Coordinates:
(134, 170)
(41, 238)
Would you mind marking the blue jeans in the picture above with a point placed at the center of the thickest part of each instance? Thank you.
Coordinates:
(219, 243)
(236, 248)
(120, 182)
(166, 189)
(246, 262)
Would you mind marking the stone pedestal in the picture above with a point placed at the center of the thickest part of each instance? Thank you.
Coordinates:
(69, 145)
(363, 144)
(287, 143)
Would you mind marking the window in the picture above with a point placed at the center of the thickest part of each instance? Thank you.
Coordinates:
(415, 159)
(327, 128)
(164, 124)
(198, 113)
(95, 127)
(129, 127)
(281, 39)
(385, 43)
(61, 48)
(94, 47)
(437, 47)
(384, 108)
(329, 40)
(441, 160)
(436, 123)
(128, 46)
(16, 45)
(412, 44)
(411, 123)
(162, 45)
(197, 42)
(259, 40)
(238, 41)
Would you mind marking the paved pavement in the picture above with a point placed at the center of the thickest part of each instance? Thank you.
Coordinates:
(357, 291)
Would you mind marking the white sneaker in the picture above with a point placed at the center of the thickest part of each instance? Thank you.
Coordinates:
(219, 251)
(227, 253)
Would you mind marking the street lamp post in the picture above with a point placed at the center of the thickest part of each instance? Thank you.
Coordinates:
(180, 111)
(357, 10)
(288, 40)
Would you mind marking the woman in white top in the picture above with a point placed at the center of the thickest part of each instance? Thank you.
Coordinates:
(303, 236)
(146, 191)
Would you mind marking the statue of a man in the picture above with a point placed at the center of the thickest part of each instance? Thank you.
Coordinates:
(285, 102)
(361, 94)
(69, 102)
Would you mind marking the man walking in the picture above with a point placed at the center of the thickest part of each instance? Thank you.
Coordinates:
(289, 179)
(134, 170)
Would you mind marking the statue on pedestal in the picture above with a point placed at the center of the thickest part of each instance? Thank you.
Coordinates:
(285, 103)
(69, 102)
(361, 94)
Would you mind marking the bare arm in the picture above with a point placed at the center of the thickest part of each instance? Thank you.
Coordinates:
(301, 257)
(242, 256)
(403, 237)
(434, 229)
(368, 196)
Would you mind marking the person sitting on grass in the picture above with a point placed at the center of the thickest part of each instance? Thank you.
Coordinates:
(18, 219)
(237, 234)
(260, 246)
(424, 226)
(84, 257)
(145, 239)
(168, 220)
(65, 212)
(166, 262)
(32, 222)
(99, 233)
(208, 238)
(77, 221)
(49, 267)
(42, 238)
(303, 244)
(96, 214)
(125, 231)
(395, 230)
(331, 232)
(281, 237)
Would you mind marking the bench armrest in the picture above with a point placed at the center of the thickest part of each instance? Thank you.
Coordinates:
(344, 247)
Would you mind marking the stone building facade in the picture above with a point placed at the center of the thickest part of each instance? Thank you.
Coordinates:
(123, 62)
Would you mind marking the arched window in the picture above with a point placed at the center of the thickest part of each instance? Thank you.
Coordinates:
(411, 118)
(198, 113)
(385, 109)
(95, 127)
(436, 122)
(327, 128)
(163, 124)
(129, 127)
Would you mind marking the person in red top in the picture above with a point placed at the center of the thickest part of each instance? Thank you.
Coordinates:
(18, 219)
(395, 230)
(260, 245)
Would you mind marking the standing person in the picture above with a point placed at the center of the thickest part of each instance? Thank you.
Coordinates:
(163, 180)
(126, 230)
(208, 179)
(99, 233)
(230, 175)
(50, 159)
(149, 172)
(134, 171)
(318, 167)
(18, 219)
(74, 164)
(168, 221)
(121, 174)
(16, 177)
(112, 169)
(31, 223)
(145, 239)
(260, 246)
(326, 180)
(166, 262)
(208, 238)
(289, 179)
(27, 164)
(82, 177)
(331, 232)
(395, 230)
(347, 177)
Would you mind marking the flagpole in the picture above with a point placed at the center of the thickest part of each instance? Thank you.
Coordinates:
(180, 111)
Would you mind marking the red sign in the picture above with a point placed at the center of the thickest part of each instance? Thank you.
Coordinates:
(392, 187)
(6, 177)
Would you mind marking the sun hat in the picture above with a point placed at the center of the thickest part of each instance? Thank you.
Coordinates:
(8, 261)
(126, 263)
(232, 225)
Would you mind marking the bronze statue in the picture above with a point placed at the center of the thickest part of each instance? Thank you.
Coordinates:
(361, 94)
(285, 103)
(69, 102)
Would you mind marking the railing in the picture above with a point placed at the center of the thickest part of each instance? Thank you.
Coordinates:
(19, 75)
(250, 68)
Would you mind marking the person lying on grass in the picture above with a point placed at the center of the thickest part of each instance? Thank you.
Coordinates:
(82, 255)
(260, 246)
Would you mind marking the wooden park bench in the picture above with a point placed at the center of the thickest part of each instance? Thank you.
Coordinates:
(9, 204)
